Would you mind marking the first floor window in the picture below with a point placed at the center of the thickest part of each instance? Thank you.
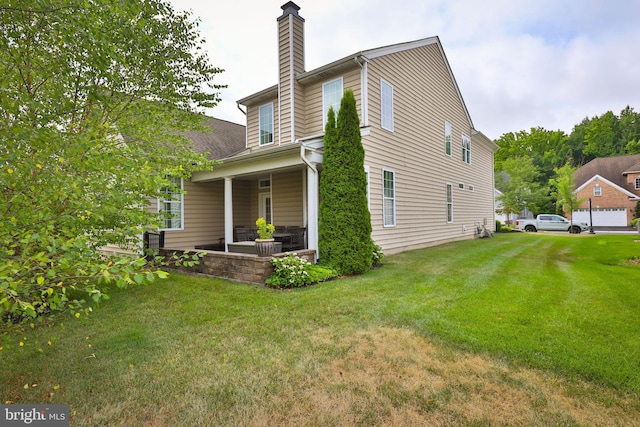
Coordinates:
(388, 198)
(266, 124)
(449, 203)
(170, 205)
(466, 148)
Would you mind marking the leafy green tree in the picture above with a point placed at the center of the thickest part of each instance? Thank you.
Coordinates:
(547, 149)
(520, 188)
(576, 142)
(563, 183)
(93, 96)
(602, 137)
(344, 224)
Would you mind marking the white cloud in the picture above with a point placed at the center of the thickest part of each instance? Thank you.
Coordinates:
(519, 64)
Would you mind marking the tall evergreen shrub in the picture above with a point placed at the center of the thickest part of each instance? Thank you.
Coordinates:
(344, 224)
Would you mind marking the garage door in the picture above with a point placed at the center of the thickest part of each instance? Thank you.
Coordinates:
(614, 217)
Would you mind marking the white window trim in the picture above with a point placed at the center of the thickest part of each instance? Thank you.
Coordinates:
(265, 183)
(160, 201)
(637, 183)
(597, 193)
(394, 199)
(384, 83)
(448, 132)
(270, 104)
(461, 186)
(325, 107)
(449, 204)
(266, 208)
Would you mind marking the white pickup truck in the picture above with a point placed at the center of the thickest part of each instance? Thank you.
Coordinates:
(550, 222)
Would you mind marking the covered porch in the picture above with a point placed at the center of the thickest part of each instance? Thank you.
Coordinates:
(280, 184)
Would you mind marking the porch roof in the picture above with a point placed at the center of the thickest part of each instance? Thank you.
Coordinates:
(277, 158)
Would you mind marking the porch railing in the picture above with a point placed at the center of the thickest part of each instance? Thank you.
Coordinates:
(152, 243)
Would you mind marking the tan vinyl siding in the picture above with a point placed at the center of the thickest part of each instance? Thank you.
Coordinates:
(313, 99)
(299, 97)
(245, 209)
(290, 31)
(203, 216)
(287, 194)
(253, 124)
(424, 98)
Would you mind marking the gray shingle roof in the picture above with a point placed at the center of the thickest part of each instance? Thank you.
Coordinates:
(610, 168)
(225, 140)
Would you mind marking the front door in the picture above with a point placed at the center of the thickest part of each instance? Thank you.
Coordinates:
(265, 207)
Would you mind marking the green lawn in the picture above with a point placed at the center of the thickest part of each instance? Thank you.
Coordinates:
(521, 329)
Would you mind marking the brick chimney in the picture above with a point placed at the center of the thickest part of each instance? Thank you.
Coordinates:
(290, 64)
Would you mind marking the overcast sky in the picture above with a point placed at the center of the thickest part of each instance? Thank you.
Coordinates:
(519, 63)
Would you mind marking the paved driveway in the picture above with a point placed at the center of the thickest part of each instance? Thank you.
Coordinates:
(615, 230)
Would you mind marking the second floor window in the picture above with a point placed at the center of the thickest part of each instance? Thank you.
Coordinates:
(637, 183)
(597, 190)
(447, 138)
(266, 124)
(386, 110)
(466, 148)
(331, 97)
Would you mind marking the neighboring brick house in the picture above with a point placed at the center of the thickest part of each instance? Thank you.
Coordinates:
(429, 171)
(613, 186)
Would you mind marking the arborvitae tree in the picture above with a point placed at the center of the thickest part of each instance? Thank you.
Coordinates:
(344, 224)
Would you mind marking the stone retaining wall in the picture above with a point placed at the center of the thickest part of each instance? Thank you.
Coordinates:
(236, 266)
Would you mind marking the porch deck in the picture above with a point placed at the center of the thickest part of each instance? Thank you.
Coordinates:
(249, 247)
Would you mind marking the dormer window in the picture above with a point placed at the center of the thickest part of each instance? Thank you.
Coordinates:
(266, 124)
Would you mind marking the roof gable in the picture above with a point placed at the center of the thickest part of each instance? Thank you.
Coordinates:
(606, 181)
(354, 60)
(613, 169)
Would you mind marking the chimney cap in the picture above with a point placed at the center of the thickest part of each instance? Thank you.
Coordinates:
(290, 8)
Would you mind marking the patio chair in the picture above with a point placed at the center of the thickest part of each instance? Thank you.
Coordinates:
(296, 240)
(242, 234)
(253, 233)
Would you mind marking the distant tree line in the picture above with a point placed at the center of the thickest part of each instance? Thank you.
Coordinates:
(529, 163)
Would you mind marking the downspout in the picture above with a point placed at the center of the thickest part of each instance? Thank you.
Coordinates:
(364, 93)
(246, 131)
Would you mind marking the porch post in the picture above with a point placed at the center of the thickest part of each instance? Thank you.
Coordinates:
(312, 209)
(228, 212)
